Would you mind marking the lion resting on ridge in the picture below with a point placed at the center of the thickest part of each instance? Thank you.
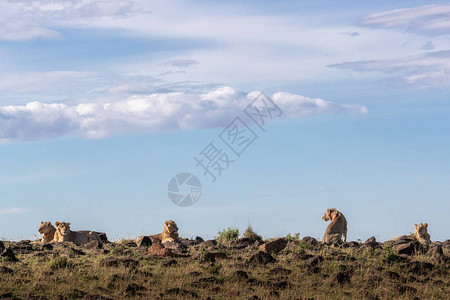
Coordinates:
(64, 234)
(170, 233)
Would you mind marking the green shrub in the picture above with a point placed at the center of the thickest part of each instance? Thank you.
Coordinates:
(251, 234)
(294, 237)
(389, 253)
(302, 247)
(60, 262)
(228, 235)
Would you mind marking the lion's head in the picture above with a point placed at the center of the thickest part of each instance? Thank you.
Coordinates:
(421, 229)
(63, 228)
(170, 227)
(46, 227)
(328, 216)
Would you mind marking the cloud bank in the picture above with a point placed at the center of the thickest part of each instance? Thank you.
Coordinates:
(13, 211)
(159, 112)
(431, 19)
(424, 71)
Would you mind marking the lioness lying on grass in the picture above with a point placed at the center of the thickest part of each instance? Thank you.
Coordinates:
(64, 234)
(48, 232)
(170, 233)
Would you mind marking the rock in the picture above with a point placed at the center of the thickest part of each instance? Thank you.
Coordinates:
(314, 261)
(351, 244)
(215, 256)
(341, 278)
(143, 241)
(199, 240)
(240, 274)
(2, 247)
(207, 244)
(159, 250)
(8, 255)
(93, 245)
(261, 258)
(310, 240)
(372, 242)
(275, 246)
(175, 246)
(420, 268)
(436, 253)
(301, 255)
(405, 248)
(115, 262)
(130, 244)
(22, 247)
(241, 243)
(45, 247)
(169, 263)
(133, 289)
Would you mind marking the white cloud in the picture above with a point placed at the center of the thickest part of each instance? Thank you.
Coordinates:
(13, 211)
(432, 19)
(158, 112)
(424, 71)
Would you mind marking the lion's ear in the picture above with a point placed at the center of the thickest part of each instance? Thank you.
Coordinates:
(415, 225)
(328, 210)
(42, 222)
(425, 224)
(68, 223)
(57, 223)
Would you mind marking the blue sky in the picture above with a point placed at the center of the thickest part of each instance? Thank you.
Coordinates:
(102, 103)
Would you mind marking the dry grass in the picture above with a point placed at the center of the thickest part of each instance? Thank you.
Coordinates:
(339, 273)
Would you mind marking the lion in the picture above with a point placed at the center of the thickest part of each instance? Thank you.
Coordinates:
(64, 234)
(337, 228)
(48, 232)
(170, 233)
(421, 233)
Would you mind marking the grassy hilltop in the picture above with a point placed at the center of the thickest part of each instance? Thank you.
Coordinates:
(226, 268)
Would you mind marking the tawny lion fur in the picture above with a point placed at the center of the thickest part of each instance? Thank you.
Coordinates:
(337, 228)
(64, 234)
(169, 234)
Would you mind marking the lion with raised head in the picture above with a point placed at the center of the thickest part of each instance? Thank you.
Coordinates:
(337, 228)
(421, 233)
(64, 234)
(170, 233)
(48, 232)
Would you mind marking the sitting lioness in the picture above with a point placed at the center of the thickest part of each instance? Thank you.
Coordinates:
(170, 233)
(48, 232)
(64, 234)
(336, 228)
(421, 233)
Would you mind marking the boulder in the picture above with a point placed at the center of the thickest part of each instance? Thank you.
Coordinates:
(371, 242)
(169, 263)
(310, 240)
(92, 245)
(261, 258)
(8, 254)
(159, 250)
(436, 253)
(405, 248)
(2, 247)
(143, 241)
(175, 246)
(275, 246)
